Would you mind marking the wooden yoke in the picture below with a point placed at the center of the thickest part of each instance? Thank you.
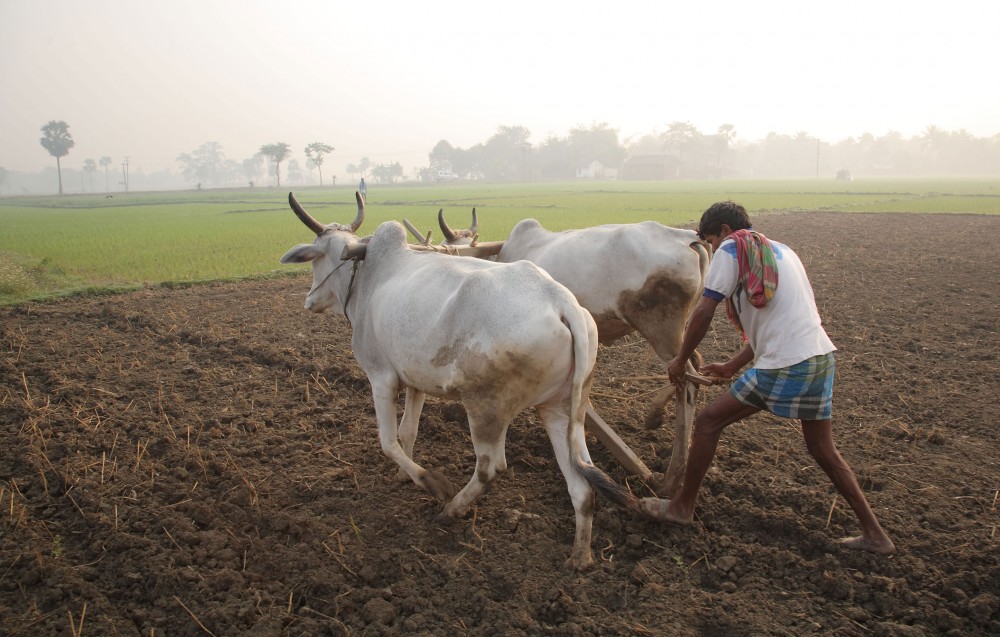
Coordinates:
(478, 250)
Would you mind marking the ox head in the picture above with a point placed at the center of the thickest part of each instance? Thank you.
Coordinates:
(457, 237)
(325, 253)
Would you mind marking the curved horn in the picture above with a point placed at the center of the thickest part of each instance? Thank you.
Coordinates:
(413, 231)
(304, 216)
(449, 234)
(475, 223)
(361, 212)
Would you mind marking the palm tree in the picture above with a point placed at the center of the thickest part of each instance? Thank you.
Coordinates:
(57, 141)
(315, 152)
(278, 153)
(105, 161)
(90, 166)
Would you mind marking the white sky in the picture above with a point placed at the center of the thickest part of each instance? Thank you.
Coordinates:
(152, 79)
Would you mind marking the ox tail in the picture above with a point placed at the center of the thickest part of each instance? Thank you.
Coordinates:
(584, 333)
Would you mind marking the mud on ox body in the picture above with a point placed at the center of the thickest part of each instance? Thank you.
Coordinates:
(429, 322)
(639, 277)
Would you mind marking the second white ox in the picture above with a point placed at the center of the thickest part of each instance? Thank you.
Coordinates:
(638, 277)
(429, 323)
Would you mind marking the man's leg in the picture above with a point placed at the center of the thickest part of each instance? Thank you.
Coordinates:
(708, 426)
(819, 442)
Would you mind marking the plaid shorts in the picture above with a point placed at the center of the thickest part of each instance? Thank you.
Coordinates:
(803, 391)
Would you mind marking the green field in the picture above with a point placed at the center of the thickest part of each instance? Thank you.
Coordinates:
(52, 246)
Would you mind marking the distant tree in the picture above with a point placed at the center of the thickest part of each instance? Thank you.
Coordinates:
(105, 161)
(90, 166)
(4, 176)
(277, 153)
(684, 139)
(723, 141)
(505, 154)
(364, 165)
(597, 143)
(294, 172)
(251, 168)
(387, 173)
(315, 152)
(472, 162)
(352, 169)
(648, 144)
(442, 156)
(57, 140)
(553, 159)
(206, 164)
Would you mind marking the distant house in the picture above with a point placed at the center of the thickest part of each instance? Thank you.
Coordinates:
(596, 170)
(646, 167)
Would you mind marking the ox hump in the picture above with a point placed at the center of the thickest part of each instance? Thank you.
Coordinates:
(390, 236)
(527, 225)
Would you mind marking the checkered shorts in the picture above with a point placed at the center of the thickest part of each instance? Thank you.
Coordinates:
(803, 391)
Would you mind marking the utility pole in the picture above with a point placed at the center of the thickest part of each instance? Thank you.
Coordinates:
(125, 173)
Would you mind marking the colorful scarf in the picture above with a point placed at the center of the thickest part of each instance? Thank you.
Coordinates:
(758, 274)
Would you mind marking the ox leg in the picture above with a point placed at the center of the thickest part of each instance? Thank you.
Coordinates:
(556, 423)
(489, 434)
(654, 416)
(433, 482)
(409, 424)
(683, 421)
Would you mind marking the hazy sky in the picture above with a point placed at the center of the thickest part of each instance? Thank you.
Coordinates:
(152, 79)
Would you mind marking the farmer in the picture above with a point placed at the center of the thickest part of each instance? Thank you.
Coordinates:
(768, 297)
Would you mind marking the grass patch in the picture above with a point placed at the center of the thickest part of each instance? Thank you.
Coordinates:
(91, 244)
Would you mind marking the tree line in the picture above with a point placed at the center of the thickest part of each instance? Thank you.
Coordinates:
(685, 152)
(681, 152)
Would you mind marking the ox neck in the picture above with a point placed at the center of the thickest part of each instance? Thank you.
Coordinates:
(350, 286)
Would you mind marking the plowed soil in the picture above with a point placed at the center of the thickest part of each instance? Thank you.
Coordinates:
(204, 461)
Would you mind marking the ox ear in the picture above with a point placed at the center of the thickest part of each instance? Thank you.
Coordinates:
(302, 253)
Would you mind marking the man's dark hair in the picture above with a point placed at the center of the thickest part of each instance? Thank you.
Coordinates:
(724, 212)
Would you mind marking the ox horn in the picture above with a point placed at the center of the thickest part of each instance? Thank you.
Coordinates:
(304, 216)
(361, 212)
(449, 234)
(475, 223)
(413, 230)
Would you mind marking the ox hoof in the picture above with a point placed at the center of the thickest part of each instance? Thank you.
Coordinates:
(654, 419)
(667, 485)
(438, 486)
(453, 513)
(578, 562)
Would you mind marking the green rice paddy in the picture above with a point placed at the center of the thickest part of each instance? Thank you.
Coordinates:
(51, 246)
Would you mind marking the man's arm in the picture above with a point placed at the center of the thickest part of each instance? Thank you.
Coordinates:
(732, 366)
(697, 327)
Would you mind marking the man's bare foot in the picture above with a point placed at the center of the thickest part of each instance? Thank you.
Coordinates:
(861, 543)
(661, 509)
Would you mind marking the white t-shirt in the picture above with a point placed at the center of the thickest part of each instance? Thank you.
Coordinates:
(788, 330)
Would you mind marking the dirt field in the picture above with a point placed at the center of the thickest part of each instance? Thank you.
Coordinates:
(204, 461)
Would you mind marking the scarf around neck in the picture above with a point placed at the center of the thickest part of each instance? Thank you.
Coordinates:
(758, 272)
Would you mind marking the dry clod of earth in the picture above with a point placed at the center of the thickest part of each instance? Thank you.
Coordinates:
(205, 461)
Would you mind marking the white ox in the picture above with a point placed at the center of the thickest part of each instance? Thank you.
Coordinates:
(639, 277)
(428, 322)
